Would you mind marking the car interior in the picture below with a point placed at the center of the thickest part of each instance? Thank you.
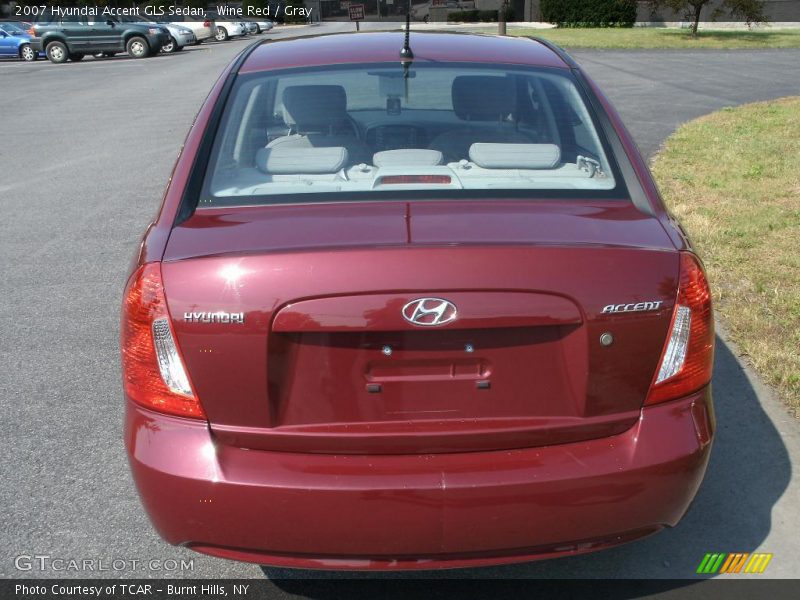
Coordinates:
(363, 129)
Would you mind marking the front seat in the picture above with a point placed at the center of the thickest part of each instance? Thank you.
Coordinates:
(487, 105)
(317, 118)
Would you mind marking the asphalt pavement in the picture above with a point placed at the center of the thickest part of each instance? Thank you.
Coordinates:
(85, 152)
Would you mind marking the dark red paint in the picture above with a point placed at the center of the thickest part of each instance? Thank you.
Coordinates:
(302, 463)
(418, 511)
(384, 46)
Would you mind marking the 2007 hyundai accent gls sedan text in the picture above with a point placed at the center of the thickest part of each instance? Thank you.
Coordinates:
(413, 313)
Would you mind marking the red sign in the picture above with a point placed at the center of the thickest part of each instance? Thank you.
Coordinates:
(356, 12)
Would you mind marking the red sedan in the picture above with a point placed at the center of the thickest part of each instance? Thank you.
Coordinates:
(418, 310)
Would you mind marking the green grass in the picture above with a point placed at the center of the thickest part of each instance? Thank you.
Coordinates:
(733, 179)
(649, 37)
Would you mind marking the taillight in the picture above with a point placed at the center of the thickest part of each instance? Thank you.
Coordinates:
(153, 372)
(32, 32)
(687, 360)
(206, 23)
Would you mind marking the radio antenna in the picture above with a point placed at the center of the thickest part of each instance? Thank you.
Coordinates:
(406, 55)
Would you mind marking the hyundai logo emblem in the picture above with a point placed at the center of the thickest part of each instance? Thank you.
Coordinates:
(429, 311)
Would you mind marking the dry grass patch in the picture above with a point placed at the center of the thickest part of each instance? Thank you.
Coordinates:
(650, 37)
(733, 180)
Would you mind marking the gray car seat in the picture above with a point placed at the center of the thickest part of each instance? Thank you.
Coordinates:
(487, 105)
(317, 118)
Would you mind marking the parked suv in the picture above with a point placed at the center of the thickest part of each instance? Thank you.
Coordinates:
(62, 39)
(179, 35)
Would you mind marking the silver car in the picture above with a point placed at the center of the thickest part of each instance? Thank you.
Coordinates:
(203, 30)
(264, 26)
(229, 29)
(179, 36)
(252, 27)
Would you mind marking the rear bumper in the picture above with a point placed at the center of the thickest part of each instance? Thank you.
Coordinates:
(418, 511)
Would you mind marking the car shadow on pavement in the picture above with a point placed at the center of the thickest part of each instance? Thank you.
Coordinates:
(748, 472)
(125, 57)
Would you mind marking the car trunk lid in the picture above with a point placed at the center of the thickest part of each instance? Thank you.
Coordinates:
(325, 360)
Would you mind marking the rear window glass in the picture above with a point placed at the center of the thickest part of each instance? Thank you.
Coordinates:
(11, 28)
(362, 131)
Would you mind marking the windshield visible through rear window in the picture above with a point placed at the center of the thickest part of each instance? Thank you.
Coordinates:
(10, 28)
(363, 131)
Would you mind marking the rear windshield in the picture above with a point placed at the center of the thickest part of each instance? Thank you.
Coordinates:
(11, 28)
(434, 129)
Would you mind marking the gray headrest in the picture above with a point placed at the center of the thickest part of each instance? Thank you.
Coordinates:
(309, 106)
(515, 156)
(483, 97)
(411, 157)
(293, 161)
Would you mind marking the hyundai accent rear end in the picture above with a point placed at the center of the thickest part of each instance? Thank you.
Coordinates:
(417, 313)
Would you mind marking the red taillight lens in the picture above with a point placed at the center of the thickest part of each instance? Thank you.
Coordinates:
(206, 23)
(32, 32)
(153, 372)
(688, 357)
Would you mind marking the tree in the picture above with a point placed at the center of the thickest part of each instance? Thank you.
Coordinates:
(751, 11)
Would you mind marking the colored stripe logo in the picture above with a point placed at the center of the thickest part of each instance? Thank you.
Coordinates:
(734, 562)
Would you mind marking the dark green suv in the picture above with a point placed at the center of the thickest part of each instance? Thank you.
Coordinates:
(73, 38)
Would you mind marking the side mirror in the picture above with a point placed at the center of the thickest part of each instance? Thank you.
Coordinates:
(3, 34)
(111, 23)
